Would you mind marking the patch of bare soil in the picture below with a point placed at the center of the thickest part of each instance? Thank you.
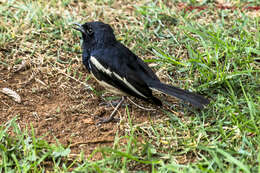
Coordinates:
(61, 108)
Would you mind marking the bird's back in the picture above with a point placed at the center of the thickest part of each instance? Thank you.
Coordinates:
(120, 58)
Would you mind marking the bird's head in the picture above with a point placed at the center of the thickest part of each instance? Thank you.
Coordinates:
(96, 34)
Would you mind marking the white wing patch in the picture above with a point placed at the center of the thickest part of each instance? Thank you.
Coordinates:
(110, 88)
(100, 66)
(129, 85)
(107, 71)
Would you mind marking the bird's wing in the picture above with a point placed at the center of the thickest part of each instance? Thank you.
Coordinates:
(136, 63)
(120, 69)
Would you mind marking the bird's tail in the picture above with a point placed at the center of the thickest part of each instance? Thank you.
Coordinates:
(196, 100)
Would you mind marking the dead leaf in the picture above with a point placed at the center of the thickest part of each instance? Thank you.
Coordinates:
(88, 121)
(16, 97)
(21, 67)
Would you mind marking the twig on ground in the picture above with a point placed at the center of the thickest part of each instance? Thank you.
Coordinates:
(141, 107)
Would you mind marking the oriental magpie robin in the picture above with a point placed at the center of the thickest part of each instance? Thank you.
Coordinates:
(122, 72)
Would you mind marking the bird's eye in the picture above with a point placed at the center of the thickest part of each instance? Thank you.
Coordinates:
(90, 31)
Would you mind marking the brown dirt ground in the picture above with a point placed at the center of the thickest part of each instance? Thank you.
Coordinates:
(61, 108)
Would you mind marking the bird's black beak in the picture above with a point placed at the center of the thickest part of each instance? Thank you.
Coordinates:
(79, 28)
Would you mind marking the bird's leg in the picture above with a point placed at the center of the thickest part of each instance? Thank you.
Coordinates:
(111, 117)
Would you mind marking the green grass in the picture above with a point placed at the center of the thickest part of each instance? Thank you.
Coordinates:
(213, 52)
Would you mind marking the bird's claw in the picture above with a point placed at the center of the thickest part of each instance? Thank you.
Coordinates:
(107, 120)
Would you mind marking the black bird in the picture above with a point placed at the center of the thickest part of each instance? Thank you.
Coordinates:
(122, 72)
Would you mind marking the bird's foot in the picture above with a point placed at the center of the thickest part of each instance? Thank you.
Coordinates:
(112, 115)
(108, 120)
